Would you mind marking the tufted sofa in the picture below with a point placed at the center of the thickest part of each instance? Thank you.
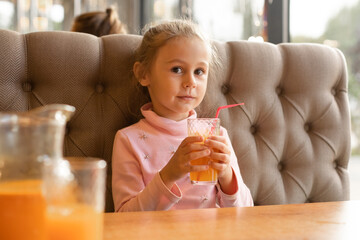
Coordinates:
(292, 136)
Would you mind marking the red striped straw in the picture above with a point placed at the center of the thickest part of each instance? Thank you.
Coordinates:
(226, 106)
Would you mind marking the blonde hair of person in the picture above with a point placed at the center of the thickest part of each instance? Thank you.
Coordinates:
(99, 23)
(156, 36)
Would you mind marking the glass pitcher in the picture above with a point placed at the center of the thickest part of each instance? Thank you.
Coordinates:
(27, 140)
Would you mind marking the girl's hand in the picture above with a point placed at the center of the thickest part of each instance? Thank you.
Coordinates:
(220, 156)
(179, 165)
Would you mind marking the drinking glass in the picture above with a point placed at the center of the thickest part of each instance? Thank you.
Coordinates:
(75, 198)
(204, 127)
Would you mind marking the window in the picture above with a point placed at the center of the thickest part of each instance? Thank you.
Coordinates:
(230, 20)
(242, 19)
(7, 13)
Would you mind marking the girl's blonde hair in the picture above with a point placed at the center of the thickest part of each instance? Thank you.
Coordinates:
(156, 36)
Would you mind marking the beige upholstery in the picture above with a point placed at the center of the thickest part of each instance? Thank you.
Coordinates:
(292, 136)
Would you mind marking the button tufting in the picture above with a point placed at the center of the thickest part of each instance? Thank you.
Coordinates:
(333, 91)
(307, 127)
(225, 89)
(335, 165)
(280, 166)
(27, 86)
(253, 129)
(279, 91)
(67, 130)
(99, 88)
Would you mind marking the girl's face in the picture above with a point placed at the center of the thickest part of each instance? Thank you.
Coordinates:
(178, 76)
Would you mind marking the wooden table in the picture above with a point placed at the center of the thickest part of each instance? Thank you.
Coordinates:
(330, 220)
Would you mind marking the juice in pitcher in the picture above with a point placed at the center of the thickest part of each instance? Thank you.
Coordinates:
(22, 210)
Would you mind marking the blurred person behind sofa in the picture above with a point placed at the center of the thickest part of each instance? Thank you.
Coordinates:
(99, 23)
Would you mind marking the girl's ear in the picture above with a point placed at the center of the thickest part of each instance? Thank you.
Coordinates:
(140, 74)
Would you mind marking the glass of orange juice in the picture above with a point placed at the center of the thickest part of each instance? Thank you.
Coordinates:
(204, 127)
(74, 190)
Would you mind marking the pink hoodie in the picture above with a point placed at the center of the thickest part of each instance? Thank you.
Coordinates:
(141, 150)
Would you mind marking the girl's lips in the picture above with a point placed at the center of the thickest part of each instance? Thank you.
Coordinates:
(186, 97)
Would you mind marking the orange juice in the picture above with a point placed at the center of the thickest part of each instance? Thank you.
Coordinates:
(203, 177)
(208, 176)
(74, 222)
(22, 210)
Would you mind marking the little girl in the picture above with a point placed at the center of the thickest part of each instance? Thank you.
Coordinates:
(151, 159)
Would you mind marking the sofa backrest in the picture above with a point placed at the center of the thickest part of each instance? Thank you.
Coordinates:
(292, 136)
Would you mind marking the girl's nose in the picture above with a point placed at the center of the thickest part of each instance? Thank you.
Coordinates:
(190, 81)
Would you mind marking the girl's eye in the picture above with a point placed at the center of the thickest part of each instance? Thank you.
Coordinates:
(199, 72)
(176, 70)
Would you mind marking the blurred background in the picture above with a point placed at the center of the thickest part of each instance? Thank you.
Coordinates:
(332, 22)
